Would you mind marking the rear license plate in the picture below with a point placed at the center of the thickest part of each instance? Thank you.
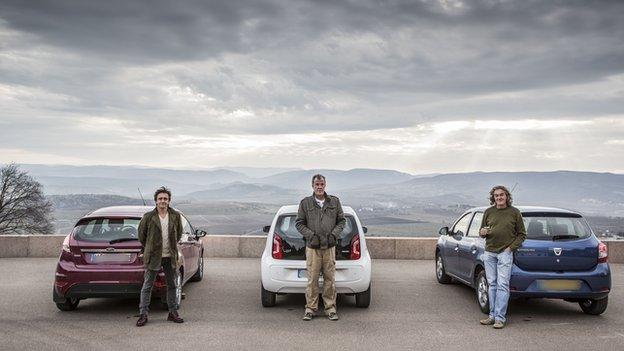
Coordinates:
(110, 258)
(302, 273)
(559, 285)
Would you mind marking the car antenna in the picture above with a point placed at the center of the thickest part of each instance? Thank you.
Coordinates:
(144, 204)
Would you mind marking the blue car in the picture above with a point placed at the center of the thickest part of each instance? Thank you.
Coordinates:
(561, 258)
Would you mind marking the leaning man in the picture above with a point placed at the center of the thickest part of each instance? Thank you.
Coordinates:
(504, 232)
(320, 220)
(159, 233)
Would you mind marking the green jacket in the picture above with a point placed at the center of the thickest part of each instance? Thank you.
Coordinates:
(321, 227)
(150, 236)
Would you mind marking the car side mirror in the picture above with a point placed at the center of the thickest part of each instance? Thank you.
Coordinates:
(200, 233)
(365, 229)
(444, 231)
(266, 228)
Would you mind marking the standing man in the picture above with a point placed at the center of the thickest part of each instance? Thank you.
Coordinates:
(504, 232)
(320, 220)
(159, 233)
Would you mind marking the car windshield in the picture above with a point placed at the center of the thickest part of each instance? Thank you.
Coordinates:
(107, 229)
(556, 226)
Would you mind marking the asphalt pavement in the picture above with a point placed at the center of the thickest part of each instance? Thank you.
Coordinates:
(409, 311)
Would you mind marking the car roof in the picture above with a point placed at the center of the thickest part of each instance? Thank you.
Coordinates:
(119, 211)
(294, 208)
(531, 209)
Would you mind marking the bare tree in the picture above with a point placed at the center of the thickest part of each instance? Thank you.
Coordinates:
(23, 207)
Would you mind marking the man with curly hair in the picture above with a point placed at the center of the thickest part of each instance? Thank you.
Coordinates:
(503, 230)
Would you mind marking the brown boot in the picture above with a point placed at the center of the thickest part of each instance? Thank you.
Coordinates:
(174, 317)
(142, 320)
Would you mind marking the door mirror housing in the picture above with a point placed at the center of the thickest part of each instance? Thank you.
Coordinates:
(365, 229)
(200, 233)
(266, 228)
(444, 231)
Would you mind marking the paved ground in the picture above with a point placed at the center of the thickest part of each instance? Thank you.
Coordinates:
(410, 310)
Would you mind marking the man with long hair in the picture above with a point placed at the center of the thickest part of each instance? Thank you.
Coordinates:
(503, 230)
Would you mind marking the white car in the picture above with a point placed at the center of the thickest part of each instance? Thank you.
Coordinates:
(283, 264)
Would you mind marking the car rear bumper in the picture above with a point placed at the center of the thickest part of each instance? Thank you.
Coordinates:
(593, 284)
(86, 282)
(282, 276)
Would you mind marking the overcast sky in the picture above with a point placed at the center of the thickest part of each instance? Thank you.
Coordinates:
(417, 86)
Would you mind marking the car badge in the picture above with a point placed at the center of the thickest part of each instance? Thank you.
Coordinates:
(557, 251)
(110, 249)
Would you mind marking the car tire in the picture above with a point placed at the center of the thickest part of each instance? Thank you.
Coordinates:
(363, 299)
(267, 297)
(163, 299)
(481, 292)
(199, 275)
(594, 307)
(441, 275)
(69, 304)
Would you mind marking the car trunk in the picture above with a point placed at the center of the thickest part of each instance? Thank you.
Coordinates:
(90, 253)
(568, 255)
(293, 243)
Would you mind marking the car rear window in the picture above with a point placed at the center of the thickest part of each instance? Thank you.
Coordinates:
(293, 240)
(106, 229)
(555, 226)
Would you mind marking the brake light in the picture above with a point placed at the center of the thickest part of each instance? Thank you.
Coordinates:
(602, 253)
(354, 249)
(277, 247)
(66, 254)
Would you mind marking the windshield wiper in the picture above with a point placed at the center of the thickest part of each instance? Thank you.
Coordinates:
(567, 236)
(121, 240)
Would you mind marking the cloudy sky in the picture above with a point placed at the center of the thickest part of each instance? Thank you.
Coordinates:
(417, 86)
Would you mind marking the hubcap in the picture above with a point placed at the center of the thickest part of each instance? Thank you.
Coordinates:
(482, 291)
(439, 267)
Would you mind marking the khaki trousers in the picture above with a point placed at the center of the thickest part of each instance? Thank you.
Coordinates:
(317, 261)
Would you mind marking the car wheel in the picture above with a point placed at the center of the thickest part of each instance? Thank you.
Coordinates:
(268, 297)
(363, 299)
(199, 275)
(482, 292)
(594, 307)
(69, 304)
(178, 293)
(440, 272)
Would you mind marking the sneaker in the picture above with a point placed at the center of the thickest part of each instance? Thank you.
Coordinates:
(487, 321)
(175, 317)
(499, 325)
(142, 320)
(333, 316)
(307, 316)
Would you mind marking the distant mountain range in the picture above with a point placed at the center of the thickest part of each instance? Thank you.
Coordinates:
(590, 192)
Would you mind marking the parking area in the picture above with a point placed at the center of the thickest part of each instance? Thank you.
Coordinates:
(409, 310)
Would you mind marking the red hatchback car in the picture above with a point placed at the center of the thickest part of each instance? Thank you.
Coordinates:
(102, 257)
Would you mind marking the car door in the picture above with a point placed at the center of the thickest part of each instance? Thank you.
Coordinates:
(188, 248)
(469, 248)
(452, 244)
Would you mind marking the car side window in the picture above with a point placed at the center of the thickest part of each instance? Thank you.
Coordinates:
(461, 227)
(186, 228)
(475, 224)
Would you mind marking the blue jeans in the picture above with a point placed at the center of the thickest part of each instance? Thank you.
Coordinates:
(498, 273)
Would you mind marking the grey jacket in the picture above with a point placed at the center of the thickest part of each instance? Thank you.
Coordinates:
(320, 227)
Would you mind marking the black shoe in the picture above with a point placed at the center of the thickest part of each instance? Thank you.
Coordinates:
(174, 317)
(142, 320)
(307, 316)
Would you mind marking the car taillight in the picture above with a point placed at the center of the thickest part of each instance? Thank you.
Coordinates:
(277, 247)
(354, 249)
(66, 253)
(602, 253)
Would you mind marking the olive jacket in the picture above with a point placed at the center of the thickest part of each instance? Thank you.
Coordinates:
(150, 236)
(320, 227)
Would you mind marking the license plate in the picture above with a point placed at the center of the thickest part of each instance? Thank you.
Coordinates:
(110, 257)
(560, 285)
(302, 273)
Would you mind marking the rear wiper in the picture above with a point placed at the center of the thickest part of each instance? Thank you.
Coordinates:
(121, 240)
(567, 236)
